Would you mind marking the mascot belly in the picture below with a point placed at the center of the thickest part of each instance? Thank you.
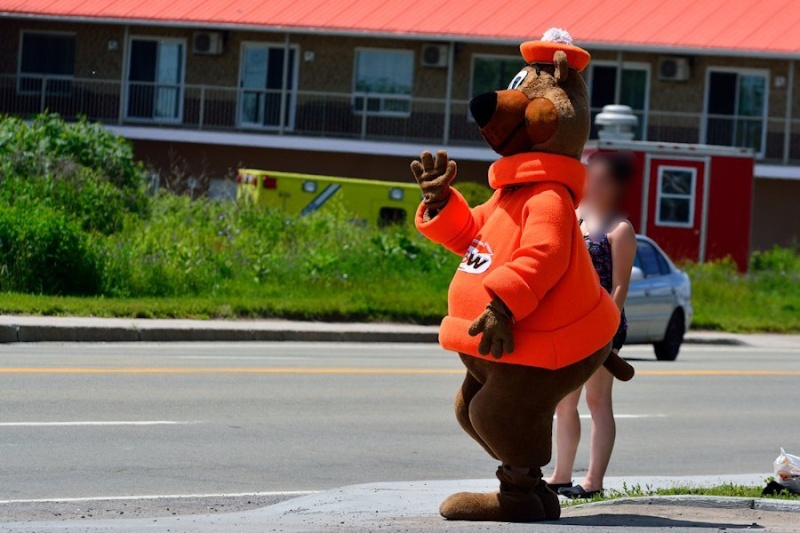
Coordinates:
(526, 312)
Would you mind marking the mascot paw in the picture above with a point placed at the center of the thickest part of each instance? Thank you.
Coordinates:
(434, 176)
(522, 498)
(495, 326)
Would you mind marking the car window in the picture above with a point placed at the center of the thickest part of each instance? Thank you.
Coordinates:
(648, 260)
(663, 266)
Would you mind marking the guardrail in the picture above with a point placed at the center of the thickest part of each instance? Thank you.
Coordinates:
(388, 117)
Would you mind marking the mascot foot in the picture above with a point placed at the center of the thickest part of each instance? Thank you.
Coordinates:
(522, 498)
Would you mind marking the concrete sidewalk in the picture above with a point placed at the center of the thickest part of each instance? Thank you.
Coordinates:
(413, 507)
(87, 329)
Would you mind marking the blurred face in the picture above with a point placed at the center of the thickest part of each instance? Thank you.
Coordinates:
(602, 191)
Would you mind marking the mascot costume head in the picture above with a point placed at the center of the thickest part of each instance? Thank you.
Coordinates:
(526, 312)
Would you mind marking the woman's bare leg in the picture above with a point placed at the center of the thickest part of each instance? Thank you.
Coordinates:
(568, 435)
(604, 428)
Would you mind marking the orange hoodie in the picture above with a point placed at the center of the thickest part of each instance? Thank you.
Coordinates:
(524, 245)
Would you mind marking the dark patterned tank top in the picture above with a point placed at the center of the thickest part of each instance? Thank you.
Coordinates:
(601, 259)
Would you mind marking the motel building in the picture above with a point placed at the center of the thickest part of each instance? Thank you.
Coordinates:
(359, 88)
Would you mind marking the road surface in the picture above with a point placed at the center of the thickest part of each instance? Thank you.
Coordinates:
(109, 420)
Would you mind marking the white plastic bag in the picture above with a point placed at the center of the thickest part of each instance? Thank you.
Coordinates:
(787, 471)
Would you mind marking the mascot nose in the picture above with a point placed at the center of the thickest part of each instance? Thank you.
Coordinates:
(482, 108)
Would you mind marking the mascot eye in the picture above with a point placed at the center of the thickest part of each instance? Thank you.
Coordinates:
(518, 79)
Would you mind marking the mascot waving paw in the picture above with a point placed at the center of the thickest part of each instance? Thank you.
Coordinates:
(527, 315)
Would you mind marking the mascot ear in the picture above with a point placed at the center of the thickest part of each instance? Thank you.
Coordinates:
(562, 69)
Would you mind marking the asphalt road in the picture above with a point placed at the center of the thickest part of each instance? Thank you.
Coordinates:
(105, 420)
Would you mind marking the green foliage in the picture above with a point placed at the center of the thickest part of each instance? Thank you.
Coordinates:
(41, 251)
(473, 193)
(767, 298)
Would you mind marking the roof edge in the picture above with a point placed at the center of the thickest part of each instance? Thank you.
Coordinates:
(302, 30)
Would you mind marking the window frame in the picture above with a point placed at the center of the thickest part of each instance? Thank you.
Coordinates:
(382, 96)
(763, 72)
(127, 81)
(630, 65)
(290, 91)
(692, 197)
(21, 74)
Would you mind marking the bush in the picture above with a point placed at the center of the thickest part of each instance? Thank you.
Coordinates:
(473, 193)
(41, 251)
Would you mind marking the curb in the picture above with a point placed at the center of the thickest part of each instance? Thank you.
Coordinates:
(708, 502)
(715, 341)
(10, 333)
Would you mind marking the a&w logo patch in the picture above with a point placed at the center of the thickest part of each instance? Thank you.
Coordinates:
(478, 258)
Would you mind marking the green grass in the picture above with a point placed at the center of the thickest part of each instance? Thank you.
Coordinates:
(766, 299)
(726, 490)
(78, 236)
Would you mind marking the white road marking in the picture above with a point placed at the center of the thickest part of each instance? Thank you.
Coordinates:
(630, 416)
(101, 423)
(164, 496)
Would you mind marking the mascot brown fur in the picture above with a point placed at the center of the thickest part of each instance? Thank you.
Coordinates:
(526, 313)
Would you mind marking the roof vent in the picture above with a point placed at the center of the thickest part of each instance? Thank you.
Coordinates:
(616, 122)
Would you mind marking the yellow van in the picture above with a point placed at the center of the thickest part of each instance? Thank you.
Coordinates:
(375, 202)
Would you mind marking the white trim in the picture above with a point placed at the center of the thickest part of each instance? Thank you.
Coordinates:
(409, 36)
(34, 75)
(704, 209)
(292, 91)
(294, 142)
(765, 73)
(692, 151)
(691, 197)
(382, 96)
(626, 65)
(777, 172)
(181, 84)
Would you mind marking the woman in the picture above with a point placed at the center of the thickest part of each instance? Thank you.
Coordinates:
(611, 241)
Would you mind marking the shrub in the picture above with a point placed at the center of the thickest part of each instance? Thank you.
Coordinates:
(41, 251)
(474, 193)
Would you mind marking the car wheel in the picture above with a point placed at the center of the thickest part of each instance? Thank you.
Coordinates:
(668, 349)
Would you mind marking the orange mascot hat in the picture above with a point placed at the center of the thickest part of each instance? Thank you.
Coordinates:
(553, 40)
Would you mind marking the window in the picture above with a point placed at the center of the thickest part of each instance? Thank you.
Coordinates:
(633, 93)
(736, 108)
(155, 79)
(262, 85)
(492, 73)
(675, 202)
(48, 58)
(649, 260)
(383, 81)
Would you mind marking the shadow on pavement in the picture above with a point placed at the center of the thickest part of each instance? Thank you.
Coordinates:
(646, 521)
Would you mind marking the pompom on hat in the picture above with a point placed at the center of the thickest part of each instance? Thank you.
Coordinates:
(553, 40)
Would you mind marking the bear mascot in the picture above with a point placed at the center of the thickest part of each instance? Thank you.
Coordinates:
(526, 312)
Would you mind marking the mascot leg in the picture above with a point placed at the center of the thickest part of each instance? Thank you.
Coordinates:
(469, 389)
(511, 414)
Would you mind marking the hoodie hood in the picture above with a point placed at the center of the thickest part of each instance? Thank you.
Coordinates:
(537, 167)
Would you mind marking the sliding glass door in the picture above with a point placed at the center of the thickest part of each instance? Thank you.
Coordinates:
(261, 86)
(155, 79)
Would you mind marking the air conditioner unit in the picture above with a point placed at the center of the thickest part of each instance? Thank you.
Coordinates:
(435, 55)
(674, 69)
(207, 43)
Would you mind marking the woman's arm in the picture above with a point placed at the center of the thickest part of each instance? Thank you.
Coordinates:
(623, 252)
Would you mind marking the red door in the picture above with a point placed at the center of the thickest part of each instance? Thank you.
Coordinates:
(675, 205)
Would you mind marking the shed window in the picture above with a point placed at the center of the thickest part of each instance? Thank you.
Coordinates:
(676, 196)
(383, 82)
(46, 58)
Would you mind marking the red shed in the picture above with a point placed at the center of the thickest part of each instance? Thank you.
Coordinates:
(694, 200)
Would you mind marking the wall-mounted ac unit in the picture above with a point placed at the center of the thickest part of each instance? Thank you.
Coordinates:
(207, 43)
(435, 55)
(674, 69)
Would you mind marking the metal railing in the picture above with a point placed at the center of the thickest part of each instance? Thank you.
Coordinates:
(390, 117)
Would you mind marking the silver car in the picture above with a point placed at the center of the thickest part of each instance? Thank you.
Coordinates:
(659, 306)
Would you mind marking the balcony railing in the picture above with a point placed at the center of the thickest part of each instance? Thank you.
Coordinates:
(394, 118)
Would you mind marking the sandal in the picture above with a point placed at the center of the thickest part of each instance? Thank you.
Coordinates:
(556, 487)
(577, 493)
